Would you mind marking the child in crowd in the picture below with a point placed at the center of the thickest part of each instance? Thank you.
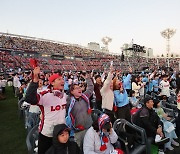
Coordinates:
(61, 142)
(169, 128)
(134, 101)
(100, 137)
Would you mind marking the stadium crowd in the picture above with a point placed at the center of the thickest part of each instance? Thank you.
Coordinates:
(78, 111)
(89, 59)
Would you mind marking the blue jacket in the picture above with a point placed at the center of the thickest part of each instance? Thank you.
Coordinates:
(121, 99)
(150, 87)
(127, 82)
(145, 79)
(66, 84)
(155, 84)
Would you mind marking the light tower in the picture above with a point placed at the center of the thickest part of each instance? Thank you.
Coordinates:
(106, 40)
(167, 34)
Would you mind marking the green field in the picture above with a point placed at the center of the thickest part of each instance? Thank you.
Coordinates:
(13, 133)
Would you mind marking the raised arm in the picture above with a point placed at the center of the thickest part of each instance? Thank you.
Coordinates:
(31, 93)
(90, 86)
(128, 78)
(108, 81)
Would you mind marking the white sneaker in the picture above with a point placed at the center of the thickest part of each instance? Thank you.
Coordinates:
(160, 151)
(175, 143)
(170, 148)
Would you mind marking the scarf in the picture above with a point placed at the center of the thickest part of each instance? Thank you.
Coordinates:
(70, 120)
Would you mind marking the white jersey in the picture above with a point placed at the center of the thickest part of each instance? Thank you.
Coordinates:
(35, 108)
(53, 111)
(164, 85)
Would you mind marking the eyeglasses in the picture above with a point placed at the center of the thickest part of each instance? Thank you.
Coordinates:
(77, 88)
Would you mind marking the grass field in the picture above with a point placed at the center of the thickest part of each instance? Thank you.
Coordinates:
(12, 131)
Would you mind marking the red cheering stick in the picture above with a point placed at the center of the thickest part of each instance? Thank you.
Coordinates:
(33, 63)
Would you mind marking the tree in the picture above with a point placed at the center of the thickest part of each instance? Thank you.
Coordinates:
(162, 55)
(172, 55)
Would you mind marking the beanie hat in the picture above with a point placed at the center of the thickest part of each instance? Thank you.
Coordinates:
(53, 77)
(102, 120)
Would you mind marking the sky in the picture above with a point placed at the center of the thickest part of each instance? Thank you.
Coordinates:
(84, 21)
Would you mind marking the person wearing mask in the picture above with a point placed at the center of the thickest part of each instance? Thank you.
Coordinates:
(52, 103)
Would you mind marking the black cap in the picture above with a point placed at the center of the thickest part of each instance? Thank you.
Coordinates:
(147, 98)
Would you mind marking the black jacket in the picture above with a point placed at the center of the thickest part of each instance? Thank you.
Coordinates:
(31, 93)
(178, 82)
(62, 148)
(147, 119)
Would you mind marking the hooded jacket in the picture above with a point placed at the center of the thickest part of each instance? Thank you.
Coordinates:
(62, 148)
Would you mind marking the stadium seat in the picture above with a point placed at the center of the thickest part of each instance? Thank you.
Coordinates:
(132, 137)
(20, 109)
(31, 140)
(32, 120)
